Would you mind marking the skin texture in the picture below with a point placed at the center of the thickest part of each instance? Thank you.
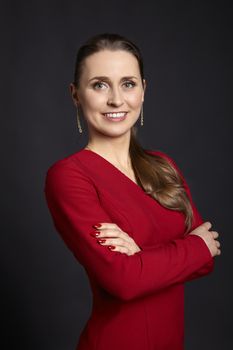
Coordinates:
(111, 139)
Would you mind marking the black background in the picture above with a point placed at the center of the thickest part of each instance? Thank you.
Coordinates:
(187, 50)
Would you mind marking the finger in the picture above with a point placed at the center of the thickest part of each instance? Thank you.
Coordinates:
(207, 225)
(215, 234)
(114, 233)
(115, 242)
(105, 233)
(218, 244)
(105, 225)
(124, 250)
(110, 241)
(119, 249)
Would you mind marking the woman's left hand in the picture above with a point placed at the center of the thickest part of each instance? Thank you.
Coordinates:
(110, 235)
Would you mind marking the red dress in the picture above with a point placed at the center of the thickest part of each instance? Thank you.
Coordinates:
(138, 300)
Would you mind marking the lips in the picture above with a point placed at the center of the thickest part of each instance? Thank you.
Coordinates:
(115, 114)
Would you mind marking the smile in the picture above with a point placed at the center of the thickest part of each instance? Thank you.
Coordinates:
(115, 115)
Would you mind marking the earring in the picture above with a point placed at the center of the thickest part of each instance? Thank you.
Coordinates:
(142, 115)
(78, 122)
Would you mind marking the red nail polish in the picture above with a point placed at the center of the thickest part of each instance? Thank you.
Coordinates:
(111, 247)
(99, 240)
(97, 225)
(95, 234)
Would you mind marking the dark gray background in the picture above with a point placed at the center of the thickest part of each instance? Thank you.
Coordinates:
(187, 49)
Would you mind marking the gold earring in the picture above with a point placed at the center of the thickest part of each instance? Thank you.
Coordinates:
(78, 122)
(142, 115)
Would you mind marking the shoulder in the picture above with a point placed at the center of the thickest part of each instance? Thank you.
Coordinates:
(170, 159)
(66, 170)
(161, 154)
(71, 161)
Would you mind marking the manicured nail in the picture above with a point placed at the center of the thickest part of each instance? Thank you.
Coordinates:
(111, 247)
(95, 234)
(99, 240)
(97, 225)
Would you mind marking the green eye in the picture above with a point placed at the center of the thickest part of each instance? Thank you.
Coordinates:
(100, 85)
(95, 85)
(130, 83)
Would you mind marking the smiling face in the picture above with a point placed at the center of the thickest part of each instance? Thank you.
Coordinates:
(110, 82)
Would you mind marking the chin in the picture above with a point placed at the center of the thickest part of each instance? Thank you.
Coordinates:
(114, 131)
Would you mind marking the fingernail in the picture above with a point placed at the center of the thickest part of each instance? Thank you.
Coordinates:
(95, 234)
(97, 225)
(99, 240)
(111, 247)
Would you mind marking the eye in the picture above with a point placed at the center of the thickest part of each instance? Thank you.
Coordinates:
(130, 83)
(98, 83)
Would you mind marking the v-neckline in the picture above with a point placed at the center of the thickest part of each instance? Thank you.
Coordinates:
(114, 167)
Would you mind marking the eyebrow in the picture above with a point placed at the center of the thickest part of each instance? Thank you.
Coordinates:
(106, 78)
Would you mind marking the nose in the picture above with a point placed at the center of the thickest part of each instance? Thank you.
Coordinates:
(115, 97)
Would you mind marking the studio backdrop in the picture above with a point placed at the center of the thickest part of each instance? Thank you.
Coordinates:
(187, 51)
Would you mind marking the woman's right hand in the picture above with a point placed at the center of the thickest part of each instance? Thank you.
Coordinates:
(209, 237)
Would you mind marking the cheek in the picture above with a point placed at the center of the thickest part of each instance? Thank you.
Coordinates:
(135, 100)
(93, 101)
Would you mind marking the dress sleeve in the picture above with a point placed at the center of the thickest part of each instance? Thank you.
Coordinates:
(209, 266)
(75, 207)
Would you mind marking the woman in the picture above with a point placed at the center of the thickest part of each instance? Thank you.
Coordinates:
(149, 236)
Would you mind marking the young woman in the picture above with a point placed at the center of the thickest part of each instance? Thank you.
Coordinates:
(149, 236)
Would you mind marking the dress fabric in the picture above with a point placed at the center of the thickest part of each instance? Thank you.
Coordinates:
(138, 300)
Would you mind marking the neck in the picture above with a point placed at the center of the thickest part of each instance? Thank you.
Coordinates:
(117, 154)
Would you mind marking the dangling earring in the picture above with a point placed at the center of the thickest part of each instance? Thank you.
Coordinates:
(78, 122)
(142, 115)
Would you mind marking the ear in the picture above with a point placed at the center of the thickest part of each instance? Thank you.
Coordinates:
(74, 94)
(144, 88)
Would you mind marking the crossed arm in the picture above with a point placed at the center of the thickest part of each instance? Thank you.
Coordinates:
(74, 205)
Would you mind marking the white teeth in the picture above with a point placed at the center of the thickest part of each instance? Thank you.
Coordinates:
(115, 115)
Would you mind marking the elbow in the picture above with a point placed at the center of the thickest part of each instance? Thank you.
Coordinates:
(130, 292)
(124, 294)
(205, 270)
(132, 285)
(209, 267)
(122, 289)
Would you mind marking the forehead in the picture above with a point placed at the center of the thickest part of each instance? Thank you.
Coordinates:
(111, 63)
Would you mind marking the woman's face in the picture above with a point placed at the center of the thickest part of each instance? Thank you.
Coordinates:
(110, 83)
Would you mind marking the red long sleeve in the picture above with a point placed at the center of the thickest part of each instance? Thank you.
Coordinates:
(74, 205)
(209, 266)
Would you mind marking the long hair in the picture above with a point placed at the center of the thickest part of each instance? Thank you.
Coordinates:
(157, 176)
